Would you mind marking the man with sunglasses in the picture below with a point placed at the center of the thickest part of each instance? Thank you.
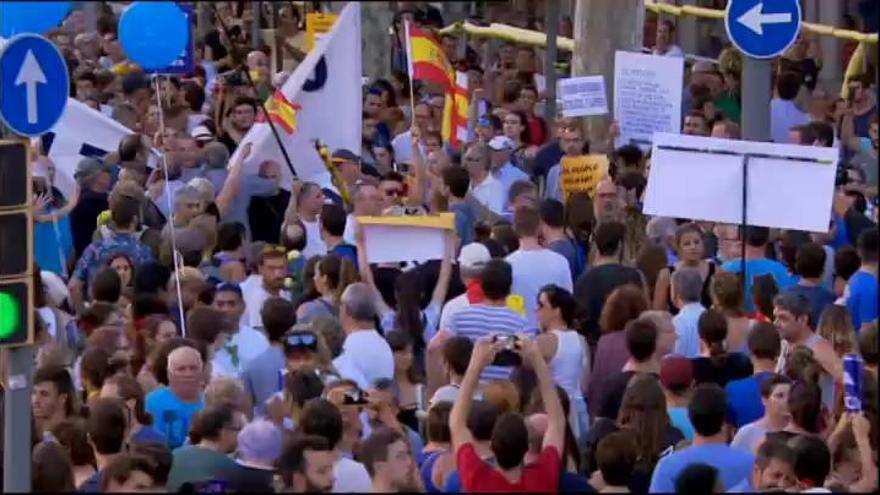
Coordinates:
(393, 190)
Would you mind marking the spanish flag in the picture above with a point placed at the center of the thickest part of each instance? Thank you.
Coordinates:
(426, 58)
(282, 112)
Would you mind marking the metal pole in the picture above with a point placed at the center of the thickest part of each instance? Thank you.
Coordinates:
(552, 25)
(256, 34)
(17, 421)
(756, 94)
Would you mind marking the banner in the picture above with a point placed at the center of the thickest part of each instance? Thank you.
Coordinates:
(583, 96)
(647, 96)
(81, 132)
(321, 100)
(582, 173)
(406, 238)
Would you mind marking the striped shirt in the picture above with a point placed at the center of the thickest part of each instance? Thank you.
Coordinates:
(480, 320)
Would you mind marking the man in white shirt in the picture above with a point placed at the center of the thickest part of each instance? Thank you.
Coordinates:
(502, 168)
(486, 189)
(269, 283)
(571, 140)
(784, 113)
(666, 40)
(403, 142)
(366, 201)
(534, 266)
(308, 207)
(364, 350)
(243, 345)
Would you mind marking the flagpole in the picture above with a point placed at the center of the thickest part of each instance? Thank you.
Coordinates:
(250, 80)
(409, 70)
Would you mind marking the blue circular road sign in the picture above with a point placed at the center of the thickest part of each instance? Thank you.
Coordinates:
(762, 28)
(34, 84)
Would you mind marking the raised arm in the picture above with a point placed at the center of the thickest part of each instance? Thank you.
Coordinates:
(484, 353)
(556, 422)
(233, 182)
(439, 295)
(416, 196)
(367, 273)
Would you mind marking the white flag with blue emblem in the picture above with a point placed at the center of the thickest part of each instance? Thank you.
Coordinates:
(321, 100)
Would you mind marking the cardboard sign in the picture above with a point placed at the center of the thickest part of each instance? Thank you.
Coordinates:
(583, 96)
(317, 24)
(406, 238)
(583, 173)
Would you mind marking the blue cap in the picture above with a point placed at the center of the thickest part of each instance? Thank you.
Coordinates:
(484, 122)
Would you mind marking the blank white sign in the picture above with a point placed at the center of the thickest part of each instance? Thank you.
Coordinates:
(392, 243)
(783, 192)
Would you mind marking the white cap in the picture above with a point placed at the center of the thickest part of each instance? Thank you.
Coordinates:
(474, 255)
(56, 289)
(201, 132)
(501, 143)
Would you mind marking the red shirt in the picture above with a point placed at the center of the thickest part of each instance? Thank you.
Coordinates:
(478, 476)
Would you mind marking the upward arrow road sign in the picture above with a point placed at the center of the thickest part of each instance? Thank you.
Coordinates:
(34, 84)
(762, 28)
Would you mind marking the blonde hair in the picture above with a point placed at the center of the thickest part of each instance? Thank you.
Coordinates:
(503, 394)
(835, 326)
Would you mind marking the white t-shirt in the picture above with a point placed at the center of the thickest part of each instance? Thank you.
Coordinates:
(255, 295)
(350, 228)
(369, 355)
(533, 269)
(314, 243)
(246, 344)
(351, 477)
(490, 193)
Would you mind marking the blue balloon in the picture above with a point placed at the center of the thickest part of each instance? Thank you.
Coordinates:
(31, 17)
(153, 34)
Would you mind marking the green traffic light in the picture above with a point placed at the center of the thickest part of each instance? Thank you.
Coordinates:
(10, 315)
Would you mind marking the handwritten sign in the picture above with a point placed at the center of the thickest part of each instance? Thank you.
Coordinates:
(647, 96)
(318, 24)
(583, 96)
(583, 173)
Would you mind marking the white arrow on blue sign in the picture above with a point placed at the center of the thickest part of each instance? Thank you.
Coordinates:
(34, 84)
(762, 28)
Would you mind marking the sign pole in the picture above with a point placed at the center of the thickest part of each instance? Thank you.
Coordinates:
(756, 94)
(17, 421)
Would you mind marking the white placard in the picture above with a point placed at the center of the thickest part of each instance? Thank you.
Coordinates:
(789, 186)
(392, 243)
(647, 96)
(583, 96)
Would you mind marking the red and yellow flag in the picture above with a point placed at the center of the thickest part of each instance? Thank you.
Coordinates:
(282, 112)
(427, 61)
(455, 113)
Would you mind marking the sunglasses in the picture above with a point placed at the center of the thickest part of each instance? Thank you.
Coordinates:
(297, 341)
(273, 248)
(393, 192)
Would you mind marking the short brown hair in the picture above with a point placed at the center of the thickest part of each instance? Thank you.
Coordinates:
(526, 222)
(206, 324)
(375, 448)
(616, 457)
(438, 422)
(121, 468)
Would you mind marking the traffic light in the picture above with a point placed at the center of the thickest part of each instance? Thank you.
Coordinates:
(16, 246)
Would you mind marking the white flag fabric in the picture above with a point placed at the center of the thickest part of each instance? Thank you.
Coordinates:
(80, 132)
(326, 86)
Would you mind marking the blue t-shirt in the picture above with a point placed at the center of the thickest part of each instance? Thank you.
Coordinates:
(744, 399)
(819, 298)
(93, 484)
(148, 434)
(733, 465)
(861, 298)
(678, 416)
(171, 416)
(758, 267)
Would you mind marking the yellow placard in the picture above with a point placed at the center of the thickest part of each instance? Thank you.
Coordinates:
(582, 173)
(317, 24)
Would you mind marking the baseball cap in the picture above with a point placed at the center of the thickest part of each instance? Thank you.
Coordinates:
(501, 143)
(201, 133)
(343, 155)
(676, 371)
(260, 441)
(474, 255)
(484, 121)
(87, 167)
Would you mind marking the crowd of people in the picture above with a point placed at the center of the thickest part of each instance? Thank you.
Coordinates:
(213, 329)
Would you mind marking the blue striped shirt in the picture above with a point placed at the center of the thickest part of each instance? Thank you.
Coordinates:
(480, 320)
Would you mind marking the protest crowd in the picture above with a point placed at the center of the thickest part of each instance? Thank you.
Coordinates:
(209, 321)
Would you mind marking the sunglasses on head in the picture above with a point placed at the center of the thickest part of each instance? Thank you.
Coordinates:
(295, 341)
(273, 248)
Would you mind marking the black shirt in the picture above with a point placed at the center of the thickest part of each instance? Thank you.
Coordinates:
(84, 218)
(265, 216)
(592, 289)
(614, 388)
(734, 367)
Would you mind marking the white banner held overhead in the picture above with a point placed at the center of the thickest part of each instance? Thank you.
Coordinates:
(326, 88)
(582, 96)
(647, 96)
(789, 186)
(81, 132)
